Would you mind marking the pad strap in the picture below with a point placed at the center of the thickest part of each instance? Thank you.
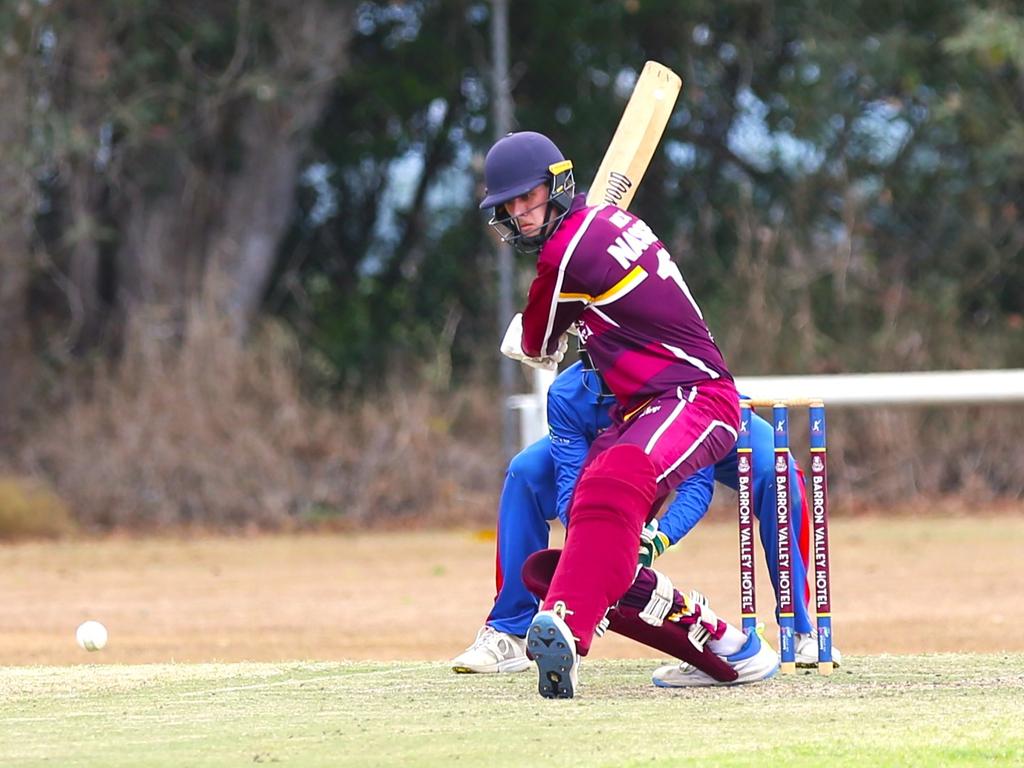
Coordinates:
(707, 625)
(661, 602)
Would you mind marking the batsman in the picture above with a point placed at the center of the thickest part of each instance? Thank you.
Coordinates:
(604, 274)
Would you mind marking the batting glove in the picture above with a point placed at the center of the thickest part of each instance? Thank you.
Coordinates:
(541, 363)
(512, 347)
(512, 343)
(550, 362)
(653, 544)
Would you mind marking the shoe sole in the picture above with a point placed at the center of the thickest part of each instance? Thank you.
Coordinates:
(810, 660)
(715, 683)
(712, 683)
(743, 679)
(551, 651)
(753, 675)
(510, 665)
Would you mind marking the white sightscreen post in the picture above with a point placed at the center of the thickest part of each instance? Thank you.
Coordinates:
(542, 381)
(532, 408)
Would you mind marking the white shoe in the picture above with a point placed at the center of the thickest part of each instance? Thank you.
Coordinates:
(806, 651)
(552, 646)
(753, 662)
(493, 651)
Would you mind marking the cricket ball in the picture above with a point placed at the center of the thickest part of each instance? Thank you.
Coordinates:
(91, 635)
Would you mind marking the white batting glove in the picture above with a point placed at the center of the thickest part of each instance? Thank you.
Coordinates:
(512, 344)
(563, 346)
(550, 362)
(541, 363)
(512, 347)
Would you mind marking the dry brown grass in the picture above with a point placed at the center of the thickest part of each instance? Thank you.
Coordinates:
(319, 596)
(215, 434)
(31, 510)
(212, 434)
(779, 322)
(908, 454)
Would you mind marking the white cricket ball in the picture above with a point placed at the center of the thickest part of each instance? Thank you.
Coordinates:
(91, 635)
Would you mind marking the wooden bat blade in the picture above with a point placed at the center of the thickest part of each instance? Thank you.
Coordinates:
(637, 136)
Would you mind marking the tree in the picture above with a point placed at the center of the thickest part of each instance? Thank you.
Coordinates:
(17, 205)
(177, 134)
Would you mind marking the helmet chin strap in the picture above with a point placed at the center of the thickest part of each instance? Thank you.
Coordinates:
(602, 390)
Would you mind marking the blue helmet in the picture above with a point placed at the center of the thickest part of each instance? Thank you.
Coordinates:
(517, 163)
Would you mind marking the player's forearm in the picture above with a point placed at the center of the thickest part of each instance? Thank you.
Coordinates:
(545, 320)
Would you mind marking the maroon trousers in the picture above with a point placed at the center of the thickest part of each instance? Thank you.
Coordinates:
(630, 470)
(671, 637)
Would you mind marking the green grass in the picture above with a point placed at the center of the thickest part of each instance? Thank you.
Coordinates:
(881, 710)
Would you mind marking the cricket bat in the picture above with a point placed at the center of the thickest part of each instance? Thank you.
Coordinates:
(635, 140)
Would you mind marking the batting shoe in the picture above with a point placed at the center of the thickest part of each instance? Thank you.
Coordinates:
(550, 643)
(753, 662)
(806, 651)
(493, 651)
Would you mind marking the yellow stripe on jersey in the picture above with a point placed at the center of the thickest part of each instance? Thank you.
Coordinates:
(637, 410)
(635, 276)
(584, 297)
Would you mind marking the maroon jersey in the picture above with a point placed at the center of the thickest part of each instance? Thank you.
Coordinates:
(605, 270)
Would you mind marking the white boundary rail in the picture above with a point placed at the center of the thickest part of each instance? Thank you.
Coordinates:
(919, 388)
(839, 390)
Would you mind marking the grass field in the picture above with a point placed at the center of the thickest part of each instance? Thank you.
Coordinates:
(208, 636)
(943, 709)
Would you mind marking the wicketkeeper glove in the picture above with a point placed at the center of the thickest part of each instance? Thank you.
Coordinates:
(653, 544)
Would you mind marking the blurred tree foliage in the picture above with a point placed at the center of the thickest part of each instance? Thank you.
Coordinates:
(841, 183)
(166, 141)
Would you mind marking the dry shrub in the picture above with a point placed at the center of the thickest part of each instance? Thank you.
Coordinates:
(29, 509)
(215, 434)
(832, 307)
(906, 455)
(417, 453)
